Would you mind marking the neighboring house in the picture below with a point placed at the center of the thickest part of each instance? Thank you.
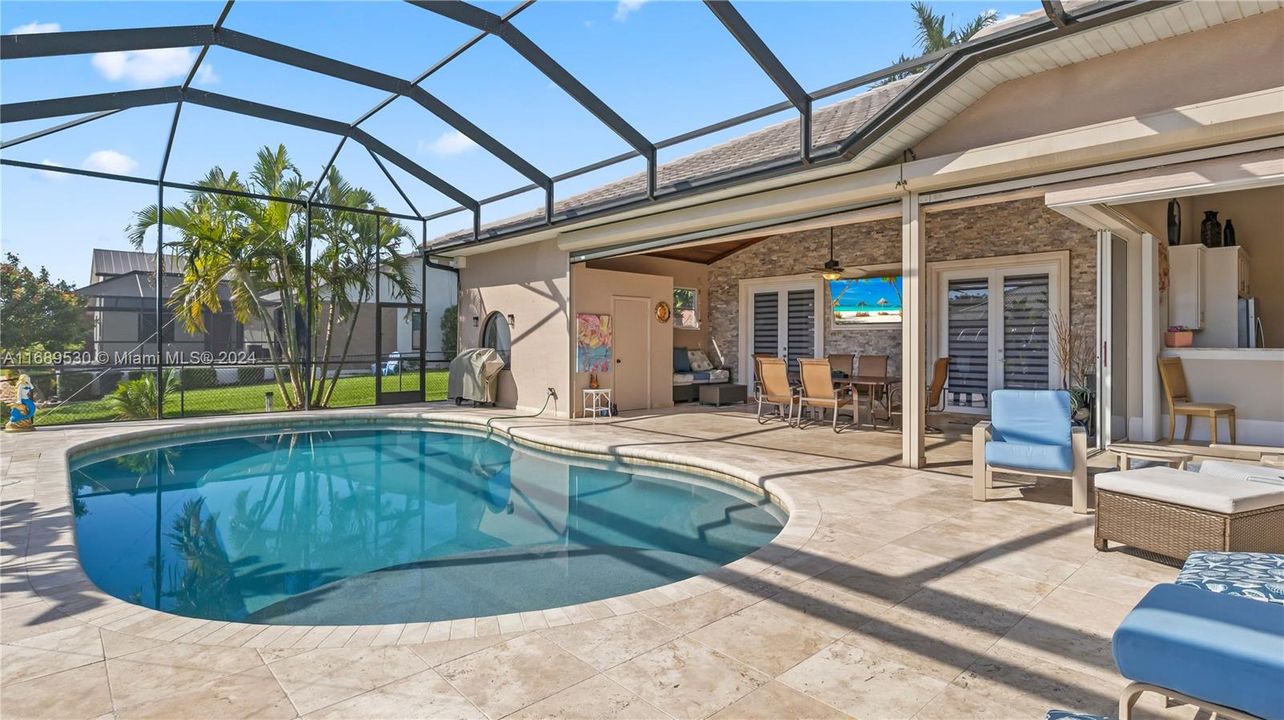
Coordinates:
(121, 298)
(1022, 179)
(121, 302)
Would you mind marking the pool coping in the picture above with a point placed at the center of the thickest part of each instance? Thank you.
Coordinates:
(73, 594)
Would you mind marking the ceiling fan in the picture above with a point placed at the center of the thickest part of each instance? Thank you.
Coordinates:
(832, 270)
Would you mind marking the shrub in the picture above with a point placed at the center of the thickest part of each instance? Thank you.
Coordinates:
(74, 383)
(450, 331)
(251, 375)
(195, 378)
(136, 399)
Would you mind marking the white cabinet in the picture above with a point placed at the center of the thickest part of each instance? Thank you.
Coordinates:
(1225, 281)
(1204, 288)
(1186, 286)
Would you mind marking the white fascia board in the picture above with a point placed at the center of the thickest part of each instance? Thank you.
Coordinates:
(1213, 123)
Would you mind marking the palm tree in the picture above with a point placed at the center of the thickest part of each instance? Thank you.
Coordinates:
(933, 37)
(356, 244)
(243, 244)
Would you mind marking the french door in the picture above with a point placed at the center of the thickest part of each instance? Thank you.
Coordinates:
(996, 325)
(782, 319)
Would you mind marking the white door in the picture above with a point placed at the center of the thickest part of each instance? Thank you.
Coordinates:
(781, 319)
(996, 326)
(631, 386)
(1112, 360)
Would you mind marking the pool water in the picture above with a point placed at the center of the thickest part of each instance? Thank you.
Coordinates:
(382, 525)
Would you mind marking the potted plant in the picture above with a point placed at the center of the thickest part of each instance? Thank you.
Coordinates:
(1075, 353)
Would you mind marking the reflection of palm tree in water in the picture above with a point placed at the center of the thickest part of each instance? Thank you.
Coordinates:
(206, 572)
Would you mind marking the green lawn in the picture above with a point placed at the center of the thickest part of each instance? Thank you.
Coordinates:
(233, 399)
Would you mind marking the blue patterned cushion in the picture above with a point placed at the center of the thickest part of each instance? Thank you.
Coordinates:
(1068, 715)
(1259, 576)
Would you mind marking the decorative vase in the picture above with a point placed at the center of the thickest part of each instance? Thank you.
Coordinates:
(593, 381)
(1210, 231)
(1228, 235)
(1174, 222)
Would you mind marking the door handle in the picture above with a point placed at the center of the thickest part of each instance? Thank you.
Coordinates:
(617, 361)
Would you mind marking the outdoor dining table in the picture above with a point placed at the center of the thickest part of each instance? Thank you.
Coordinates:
(880, 385)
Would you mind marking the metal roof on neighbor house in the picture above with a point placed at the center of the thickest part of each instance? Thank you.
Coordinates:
(774, 143)
(121, 262)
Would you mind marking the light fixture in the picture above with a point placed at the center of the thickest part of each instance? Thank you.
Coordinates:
(512, 321)
(475, 320)
(832, 270)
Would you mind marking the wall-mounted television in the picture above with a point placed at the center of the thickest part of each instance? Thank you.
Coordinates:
(874, 300)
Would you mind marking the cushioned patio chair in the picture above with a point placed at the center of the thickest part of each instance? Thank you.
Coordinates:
(772, 388)
(1221, 653)
(1030, 433)
(818, 391)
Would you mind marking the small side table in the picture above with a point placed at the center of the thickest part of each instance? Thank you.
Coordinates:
(1175, 460)
(595, 402)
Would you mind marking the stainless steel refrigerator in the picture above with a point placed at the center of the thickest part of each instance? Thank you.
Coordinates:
(1250, 324)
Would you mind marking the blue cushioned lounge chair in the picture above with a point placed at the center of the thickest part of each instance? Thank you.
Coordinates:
(1030, 433)
(1222, 653)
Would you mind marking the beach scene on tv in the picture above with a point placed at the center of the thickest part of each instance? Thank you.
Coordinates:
(866, 301)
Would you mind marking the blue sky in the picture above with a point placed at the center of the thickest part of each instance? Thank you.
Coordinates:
(666, 67)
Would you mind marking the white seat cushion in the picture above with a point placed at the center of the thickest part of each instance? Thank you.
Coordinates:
(1203, 491)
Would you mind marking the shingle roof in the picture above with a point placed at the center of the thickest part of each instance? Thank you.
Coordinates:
(773, 143)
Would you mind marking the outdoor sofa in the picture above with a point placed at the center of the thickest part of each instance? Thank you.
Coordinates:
(691, 369)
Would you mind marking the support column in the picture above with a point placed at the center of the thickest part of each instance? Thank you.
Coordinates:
(913, 332)
(307, 304)
(160, 304)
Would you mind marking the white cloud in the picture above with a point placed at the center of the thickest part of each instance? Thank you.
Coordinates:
(32, 28)
(625, 8)
(145, 67)
(51, 175)
(110, 161)
(451, 142)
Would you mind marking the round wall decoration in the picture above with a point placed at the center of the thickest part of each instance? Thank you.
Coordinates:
(662, 312)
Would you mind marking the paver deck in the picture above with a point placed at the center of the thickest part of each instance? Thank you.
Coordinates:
(889, 594)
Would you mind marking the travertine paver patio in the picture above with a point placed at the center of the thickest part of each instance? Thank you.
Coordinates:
(889, 594)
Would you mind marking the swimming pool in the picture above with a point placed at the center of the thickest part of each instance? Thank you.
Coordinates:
(381, 525)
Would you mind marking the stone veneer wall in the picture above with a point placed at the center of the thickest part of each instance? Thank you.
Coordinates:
(1009, 228)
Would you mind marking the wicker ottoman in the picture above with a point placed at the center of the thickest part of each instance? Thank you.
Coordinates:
(1174, 512)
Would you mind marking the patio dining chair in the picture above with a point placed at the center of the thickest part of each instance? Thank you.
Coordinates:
(935, 392)
(1173, 376)
(818, 391)
(772, 388)
(841, 365)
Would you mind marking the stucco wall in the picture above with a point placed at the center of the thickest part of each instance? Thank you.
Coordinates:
(594, 291)
(1011, 228)
(532, 282)
(1219, 62)
(684, 274)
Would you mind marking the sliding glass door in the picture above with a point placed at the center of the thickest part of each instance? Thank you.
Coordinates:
(996, 325)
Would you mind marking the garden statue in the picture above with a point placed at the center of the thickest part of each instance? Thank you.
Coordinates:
(22, 416)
